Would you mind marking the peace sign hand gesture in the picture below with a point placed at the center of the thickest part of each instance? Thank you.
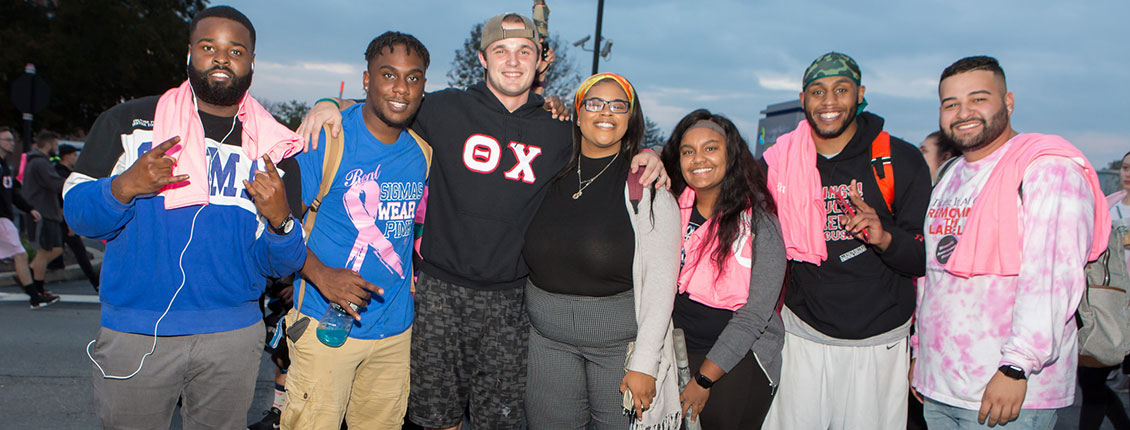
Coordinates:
(866, 220)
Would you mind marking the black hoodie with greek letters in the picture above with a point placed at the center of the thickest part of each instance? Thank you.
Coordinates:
(490, 172)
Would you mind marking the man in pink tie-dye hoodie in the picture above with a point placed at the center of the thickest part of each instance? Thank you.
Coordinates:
(1008, 232)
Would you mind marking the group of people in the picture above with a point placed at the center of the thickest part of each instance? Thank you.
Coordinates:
(530, 270)
(34, 187)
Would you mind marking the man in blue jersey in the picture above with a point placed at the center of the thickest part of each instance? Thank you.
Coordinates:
(362, 235)
(183, 189)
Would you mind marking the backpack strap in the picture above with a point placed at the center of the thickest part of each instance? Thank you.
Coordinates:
(335, 146)
(425, 148)
(881, 165)
(418, 225)
(635, 190)
(945, 167)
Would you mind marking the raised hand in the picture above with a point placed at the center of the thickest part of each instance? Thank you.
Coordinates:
(268, 193)
(149, 174)
(866, 219)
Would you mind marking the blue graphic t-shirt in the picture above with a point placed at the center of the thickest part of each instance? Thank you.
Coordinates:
(366, 221)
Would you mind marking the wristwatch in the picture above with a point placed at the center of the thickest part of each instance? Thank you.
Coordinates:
(1014, 372)
(284, 228)
(703, 381)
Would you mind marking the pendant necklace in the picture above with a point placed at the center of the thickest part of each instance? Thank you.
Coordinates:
(582, 184)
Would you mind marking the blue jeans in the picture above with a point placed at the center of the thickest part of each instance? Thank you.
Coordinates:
(940, 416)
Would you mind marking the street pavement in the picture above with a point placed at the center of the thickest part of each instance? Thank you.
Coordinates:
(45, 373)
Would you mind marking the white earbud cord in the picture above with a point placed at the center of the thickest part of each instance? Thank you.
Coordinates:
(183, 278)
(180, 263)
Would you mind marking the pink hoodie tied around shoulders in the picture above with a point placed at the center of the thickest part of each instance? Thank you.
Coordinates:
(177, 115)
(991, 243)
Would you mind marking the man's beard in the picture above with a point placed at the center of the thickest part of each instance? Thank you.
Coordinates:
(851, 114)
(989, 132)
(227, 95)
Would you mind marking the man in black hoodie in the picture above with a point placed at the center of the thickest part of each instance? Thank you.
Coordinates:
(850, 293)
(495, 150)
(42, 188)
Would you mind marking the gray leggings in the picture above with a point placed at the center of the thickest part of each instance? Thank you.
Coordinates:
(576, 359)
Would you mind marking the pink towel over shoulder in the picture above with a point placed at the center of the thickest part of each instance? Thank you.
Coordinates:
(795, 184)
(700, 276)
(991, 242)
(177, 116)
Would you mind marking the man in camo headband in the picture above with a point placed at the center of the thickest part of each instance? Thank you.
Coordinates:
(851, 291)
(834, 64)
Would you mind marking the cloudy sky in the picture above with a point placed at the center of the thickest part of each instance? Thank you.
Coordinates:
(1068, 62)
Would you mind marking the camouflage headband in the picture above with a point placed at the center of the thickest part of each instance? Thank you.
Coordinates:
(832, 64)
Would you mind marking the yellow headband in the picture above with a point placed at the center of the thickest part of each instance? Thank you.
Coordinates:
(592, 80)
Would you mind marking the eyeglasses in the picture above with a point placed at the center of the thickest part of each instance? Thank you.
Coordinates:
(594, 104)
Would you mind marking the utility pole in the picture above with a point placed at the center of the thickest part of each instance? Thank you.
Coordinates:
(596, 44)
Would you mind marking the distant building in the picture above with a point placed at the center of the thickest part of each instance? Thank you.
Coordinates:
(779, 119)
(1109, 181)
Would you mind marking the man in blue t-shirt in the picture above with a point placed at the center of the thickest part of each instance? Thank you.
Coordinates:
(363, 237)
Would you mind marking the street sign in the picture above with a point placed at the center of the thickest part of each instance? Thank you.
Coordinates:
(30, 92)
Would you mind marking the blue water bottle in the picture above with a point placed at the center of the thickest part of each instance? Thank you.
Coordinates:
(334, 326)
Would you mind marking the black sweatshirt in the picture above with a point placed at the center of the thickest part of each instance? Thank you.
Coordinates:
(10, 193)
(859, 292)
(490, 172)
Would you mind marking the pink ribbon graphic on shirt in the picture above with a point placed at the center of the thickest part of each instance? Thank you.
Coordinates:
(362, 203)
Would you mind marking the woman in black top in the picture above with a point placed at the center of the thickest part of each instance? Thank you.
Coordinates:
(602, 275)
(730, 280)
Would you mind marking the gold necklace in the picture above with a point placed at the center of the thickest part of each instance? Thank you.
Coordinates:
(581, 185)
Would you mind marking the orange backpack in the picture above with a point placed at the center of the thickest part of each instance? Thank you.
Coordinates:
(881, 166)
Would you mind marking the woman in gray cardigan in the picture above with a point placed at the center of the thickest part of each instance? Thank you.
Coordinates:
(602, 276)
(730, 280)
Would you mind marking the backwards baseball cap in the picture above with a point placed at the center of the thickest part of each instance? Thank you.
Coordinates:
(834, 64)
(493, 31)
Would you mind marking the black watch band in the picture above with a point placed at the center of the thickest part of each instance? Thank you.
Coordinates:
(703, 381)
(284, 228)
(1013, 372)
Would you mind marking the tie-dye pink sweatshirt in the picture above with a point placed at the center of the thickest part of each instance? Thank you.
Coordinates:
(969, 327)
